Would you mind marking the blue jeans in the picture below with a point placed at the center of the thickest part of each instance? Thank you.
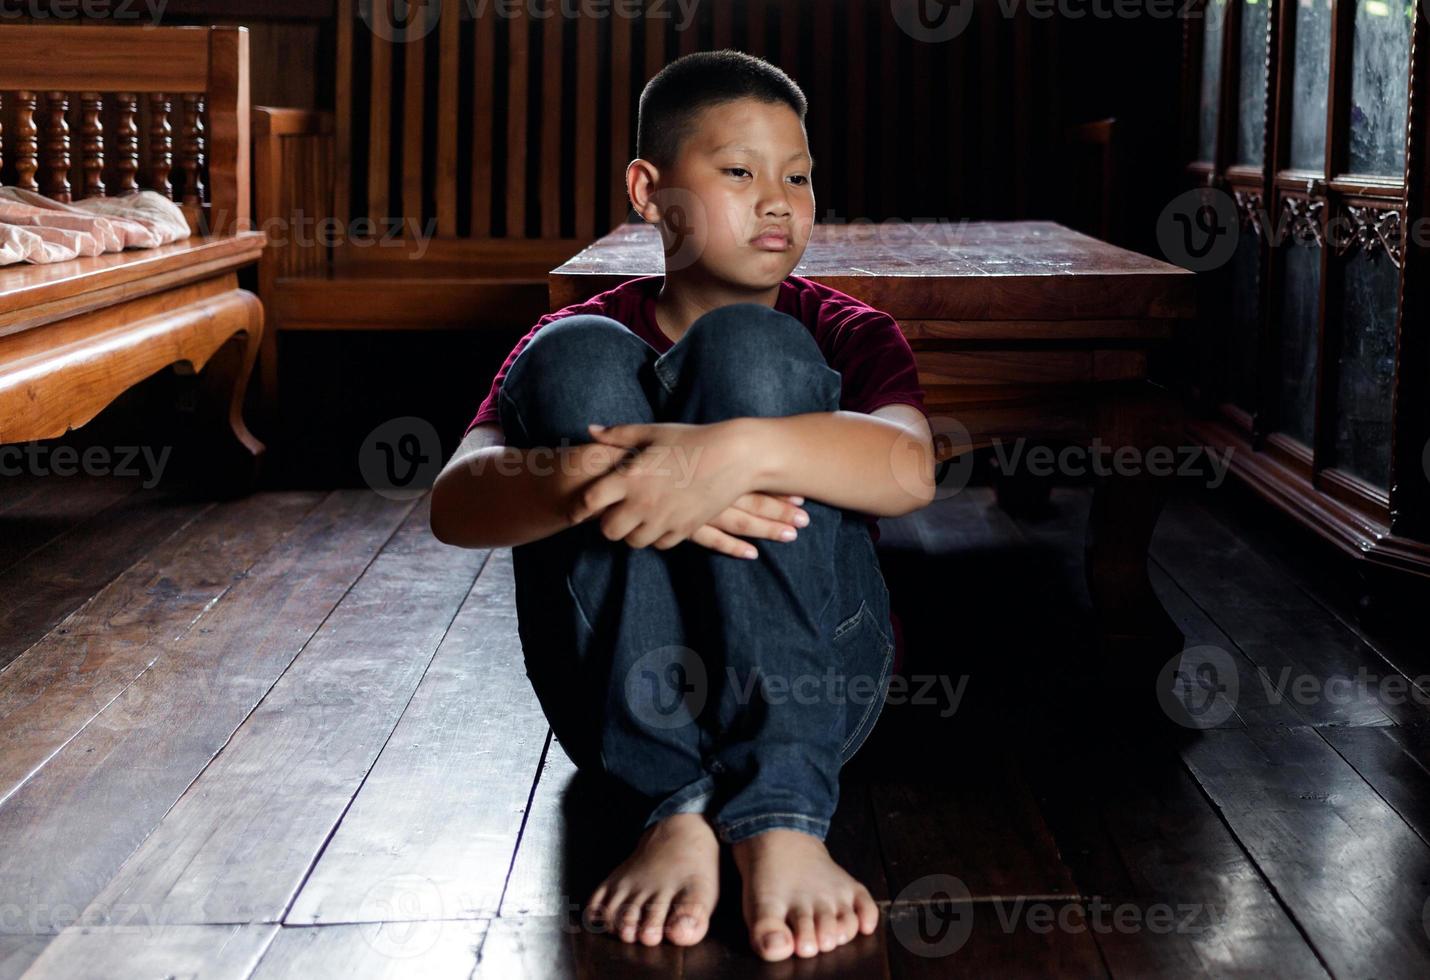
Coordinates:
(706, 683)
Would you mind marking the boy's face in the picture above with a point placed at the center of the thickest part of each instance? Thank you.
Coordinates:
(738, 202)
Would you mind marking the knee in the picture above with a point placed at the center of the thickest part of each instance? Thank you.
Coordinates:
(764, 359)
(574, 349)
(573, 371)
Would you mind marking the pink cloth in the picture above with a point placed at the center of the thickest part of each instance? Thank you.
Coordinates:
(36, 229)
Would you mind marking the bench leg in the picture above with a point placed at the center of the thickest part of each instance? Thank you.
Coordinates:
(232, 456)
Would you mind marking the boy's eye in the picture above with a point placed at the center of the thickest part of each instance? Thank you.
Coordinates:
(800, 179)
(736, 170)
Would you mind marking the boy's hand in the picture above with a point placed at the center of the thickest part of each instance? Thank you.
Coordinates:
(755, 515)
(679, 479)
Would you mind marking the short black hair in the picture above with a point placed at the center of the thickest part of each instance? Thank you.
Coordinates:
(680, 91)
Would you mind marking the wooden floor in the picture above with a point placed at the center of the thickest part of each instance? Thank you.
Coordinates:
(291, 736)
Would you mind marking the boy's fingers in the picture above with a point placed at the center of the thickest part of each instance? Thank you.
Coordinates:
(736, 521)
(775, 508)
(596, 497)
(717, 540)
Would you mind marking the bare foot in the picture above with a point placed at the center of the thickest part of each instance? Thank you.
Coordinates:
(666, 888)
(797, 900)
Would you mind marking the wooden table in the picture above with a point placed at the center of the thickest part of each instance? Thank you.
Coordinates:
(1022, 330)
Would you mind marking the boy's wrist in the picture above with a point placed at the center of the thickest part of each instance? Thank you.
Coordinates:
(757, 441)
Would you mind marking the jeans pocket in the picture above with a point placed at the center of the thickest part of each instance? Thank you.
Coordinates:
(866, 654)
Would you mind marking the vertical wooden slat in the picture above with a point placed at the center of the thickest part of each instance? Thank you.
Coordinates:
(413, 76)
(27, 150)
(585, 148)
(91, 146)
(518, 92)
(654, 46)
(161, 144)
(823, 150)
(228, 145)
(448, 125)
(1023, 106)
(2, 132)
(755, 27)
(688, 40)
(990, 31)
(55, 164)
(342, 115)
(191, 149)
(856, 148)
(922, 115)
(483, 120)
(124, 149)
(788, 19)
(552, 61)
(379, 137)
(620, 116)
(723, 35)
(888, 95)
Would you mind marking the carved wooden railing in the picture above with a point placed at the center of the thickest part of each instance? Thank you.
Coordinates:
(106, 128)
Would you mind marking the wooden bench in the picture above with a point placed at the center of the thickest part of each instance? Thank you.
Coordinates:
(95, 111)
(501, 134)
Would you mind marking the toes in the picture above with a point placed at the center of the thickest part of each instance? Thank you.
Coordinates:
(867, 911)
(806, 940)
(627, 917)
(848, 924)
(770, 936)
(688, 920)
(652, 926)
(826, 928)
(596, 916)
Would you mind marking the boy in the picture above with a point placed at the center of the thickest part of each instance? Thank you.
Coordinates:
(687, 469)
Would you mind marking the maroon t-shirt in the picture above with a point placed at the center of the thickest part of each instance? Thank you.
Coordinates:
(863, 344)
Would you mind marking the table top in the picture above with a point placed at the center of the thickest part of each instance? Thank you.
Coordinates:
(978, 270)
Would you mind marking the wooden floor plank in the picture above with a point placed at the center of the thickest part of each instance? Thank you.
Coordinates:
(1340, 859)
(432, 833)
(52, 690)
(974, 818)
(18, 952)
(1337, 584)
(53, 581)
(374, 951)
(1396, 762)
(1276, 625)
(66, 831)
(1145, 845)
(35, 511)
(549, 948)
(103, 953)
(238, 844)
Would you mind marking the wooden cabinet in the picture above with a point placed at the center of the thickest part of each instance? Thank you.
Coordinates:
(1305, 123)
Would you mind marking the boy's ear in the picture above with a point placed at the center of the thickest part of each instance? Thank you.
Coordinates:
(641, 184)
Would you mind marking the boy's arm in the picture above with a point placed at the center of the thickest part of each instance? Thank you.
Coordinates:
(881, 463)
(490, 495)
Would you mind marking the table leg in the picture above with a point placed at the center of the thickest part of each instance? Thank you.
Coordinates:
(1136, 635)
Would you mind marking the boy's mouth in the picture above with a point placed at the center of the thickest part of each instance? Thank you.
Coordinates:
(771, 239)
